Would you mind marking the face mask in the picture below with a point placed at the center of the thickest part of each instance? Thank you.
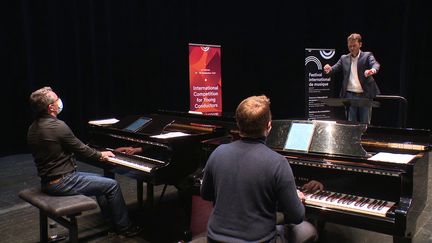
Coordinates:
(60, 106)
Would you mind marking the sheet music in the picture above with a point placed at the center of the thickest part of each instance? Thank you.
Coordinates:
(104, 122)
(394, 158)
(170, 135)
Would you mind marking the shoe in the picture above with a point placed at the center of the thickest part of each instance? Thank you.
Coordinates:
(131, 231)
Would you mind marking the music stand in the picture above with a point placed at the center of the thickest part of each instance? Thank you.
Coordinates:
(361, 102)
(346, 103)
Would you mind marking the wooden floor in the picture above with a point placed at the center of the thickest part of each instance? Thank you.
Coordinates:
(19, 220)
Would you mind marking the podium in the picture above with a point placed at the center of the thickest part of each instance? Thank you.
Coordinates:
(346, 103)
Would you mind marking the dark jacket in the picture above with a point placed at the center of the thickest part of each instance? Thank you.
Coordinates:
(366, 61)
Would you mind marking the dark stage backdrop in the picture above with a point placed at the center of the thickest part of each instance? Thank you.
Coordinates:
(114, 58)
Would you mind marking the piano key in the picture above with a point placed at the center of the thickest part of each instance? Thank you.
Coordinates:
(377, 204)
(382, 205)
(129, 164)
(353, 199)
(336, 196)
(371, 204)
(324, 195)
(138, 162)
(347, 202)
(359, 202)
(364, 202)
(348, 199)
(342, 199)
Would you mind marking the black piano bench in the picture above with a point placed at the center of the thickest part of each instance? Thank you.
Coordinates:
(62, 209)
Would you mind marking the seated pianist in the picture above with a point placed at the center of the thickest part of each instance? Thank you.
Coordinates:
(249, 183)
(54, 147)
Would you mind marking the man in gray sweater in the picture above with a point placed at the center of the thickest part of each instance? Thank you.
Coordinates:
(249, 183)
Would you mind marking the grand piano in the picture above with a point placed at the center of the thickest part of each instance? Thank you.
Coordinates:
(374, 178)
(170, 142)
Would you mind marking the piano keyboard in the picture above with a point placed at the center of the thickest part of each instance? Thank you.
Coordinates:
(138, 163)
(347, 202)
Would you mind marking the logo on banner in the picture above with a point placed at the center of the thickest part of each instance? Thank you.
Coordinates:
(327, 54)
(314, 60)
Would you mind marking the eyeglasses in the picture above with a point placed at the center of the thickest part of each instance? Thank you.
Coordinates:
(56, 100)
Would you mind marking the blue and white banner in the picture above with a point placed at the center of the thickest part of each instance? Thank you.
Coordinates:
(318, 84)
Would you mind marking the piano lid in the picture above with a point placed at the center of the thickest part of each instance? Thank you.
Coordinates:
(317, 136)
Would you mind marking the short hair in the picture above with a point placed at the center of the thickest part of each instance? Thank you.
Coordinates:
(354, 37)
(253, 115)
(40, 100)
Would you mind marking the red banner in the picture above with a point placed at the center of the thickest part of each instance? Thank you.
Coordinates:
(205, 80)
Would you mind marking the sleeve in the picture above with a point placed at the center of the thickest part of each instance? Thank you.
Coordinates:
(74, 145)
(288, 202)
(373, 63)
(207, 186)
(338, 66)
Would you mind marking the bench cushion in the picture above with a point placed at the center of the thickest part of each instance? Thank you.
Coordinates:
(57, 205)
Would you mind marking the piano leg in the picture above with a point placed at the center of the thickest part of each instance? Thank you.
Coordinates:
(185, 200)
(140, 194)
(140, 189)
(150, 194)
(400, 239)
(162, 193)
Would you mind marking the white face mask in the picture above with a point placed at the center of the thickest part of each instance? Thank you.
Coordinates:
(60, 106)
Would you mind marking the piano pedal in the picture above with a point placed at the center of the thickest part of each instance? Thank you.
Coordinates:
(187, 236)
(56, 238)
(52, 224)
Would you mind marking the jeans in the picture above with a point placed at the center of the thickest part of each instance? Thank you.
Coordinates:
(107, 192)
(358, 114)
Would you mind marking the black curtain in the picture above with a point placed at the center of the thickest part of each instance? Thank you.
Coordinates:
(116, 58)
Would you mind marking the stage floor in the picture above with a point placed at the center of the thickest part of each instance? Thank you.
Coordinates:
(19, 221)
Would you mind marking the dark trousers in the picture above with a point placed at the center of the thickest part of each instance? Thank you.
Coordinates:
(358, 114)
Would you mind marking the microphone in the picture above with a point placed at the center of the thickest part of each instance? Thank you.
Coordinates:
(167, 125)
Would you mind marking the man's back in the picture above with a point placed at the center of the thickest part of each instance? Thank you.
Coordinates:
(248, 181)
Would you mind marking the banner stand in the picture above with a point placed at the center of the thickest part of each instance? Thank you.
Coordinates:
(318, 84)
(205, 80)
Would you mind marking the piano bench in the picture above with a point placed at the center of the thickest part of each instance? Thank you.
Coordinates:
(62, 209)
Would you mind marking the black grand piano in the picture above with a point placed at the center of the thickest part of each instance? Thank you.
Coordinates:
(170, 142)
(374, 178)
